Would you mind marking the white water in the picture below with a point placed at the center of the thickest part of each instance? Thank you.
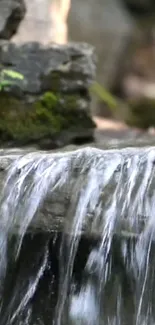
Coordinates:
(113, 192)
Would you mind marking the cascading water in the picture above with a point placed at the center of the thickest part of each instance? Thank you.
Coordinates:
(101, 252)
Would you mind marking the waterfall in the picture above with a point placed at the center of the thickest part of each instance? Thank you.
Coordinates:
(101, 205)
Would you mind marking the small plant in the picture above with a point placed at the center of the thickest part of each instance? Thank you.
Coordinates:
(6, 76)
(104, 95)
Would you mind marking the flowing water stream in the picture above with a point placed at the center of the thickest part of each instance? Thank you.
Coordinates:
(99, 268)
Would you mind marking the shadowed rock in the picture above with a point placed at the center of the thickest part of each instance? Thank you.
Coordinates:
(11, 14)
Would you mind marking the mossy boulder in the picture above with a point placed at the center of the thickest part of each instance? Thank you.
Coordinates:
(141, 113)
(50, 121)
(50, 104)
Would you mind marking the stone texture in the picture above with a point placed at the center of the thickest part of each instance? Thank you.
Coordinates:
(55, 90)
(11, 14)
(40, 65)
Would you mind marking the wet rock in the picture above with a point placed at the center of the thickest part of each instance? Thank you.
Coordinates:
(50, 105)
(11, 14)
(63, 180)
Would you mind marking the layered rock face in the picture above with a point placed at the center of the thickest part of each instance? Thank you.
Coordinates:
(50, 105)
(44, 89)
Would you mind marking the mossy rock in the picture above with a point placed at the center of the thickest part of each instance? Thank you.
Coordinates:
(141, 113)
(46, 118)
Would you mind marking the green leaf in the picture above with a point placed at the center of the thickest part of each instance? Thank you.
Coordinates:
(6, 83)
(104, 95)
(12, 74)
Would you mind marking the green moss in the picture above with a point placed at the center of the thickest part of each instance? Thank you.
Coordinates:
(49, 100)
(71, 101)
(46, 117)
(141, 113)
